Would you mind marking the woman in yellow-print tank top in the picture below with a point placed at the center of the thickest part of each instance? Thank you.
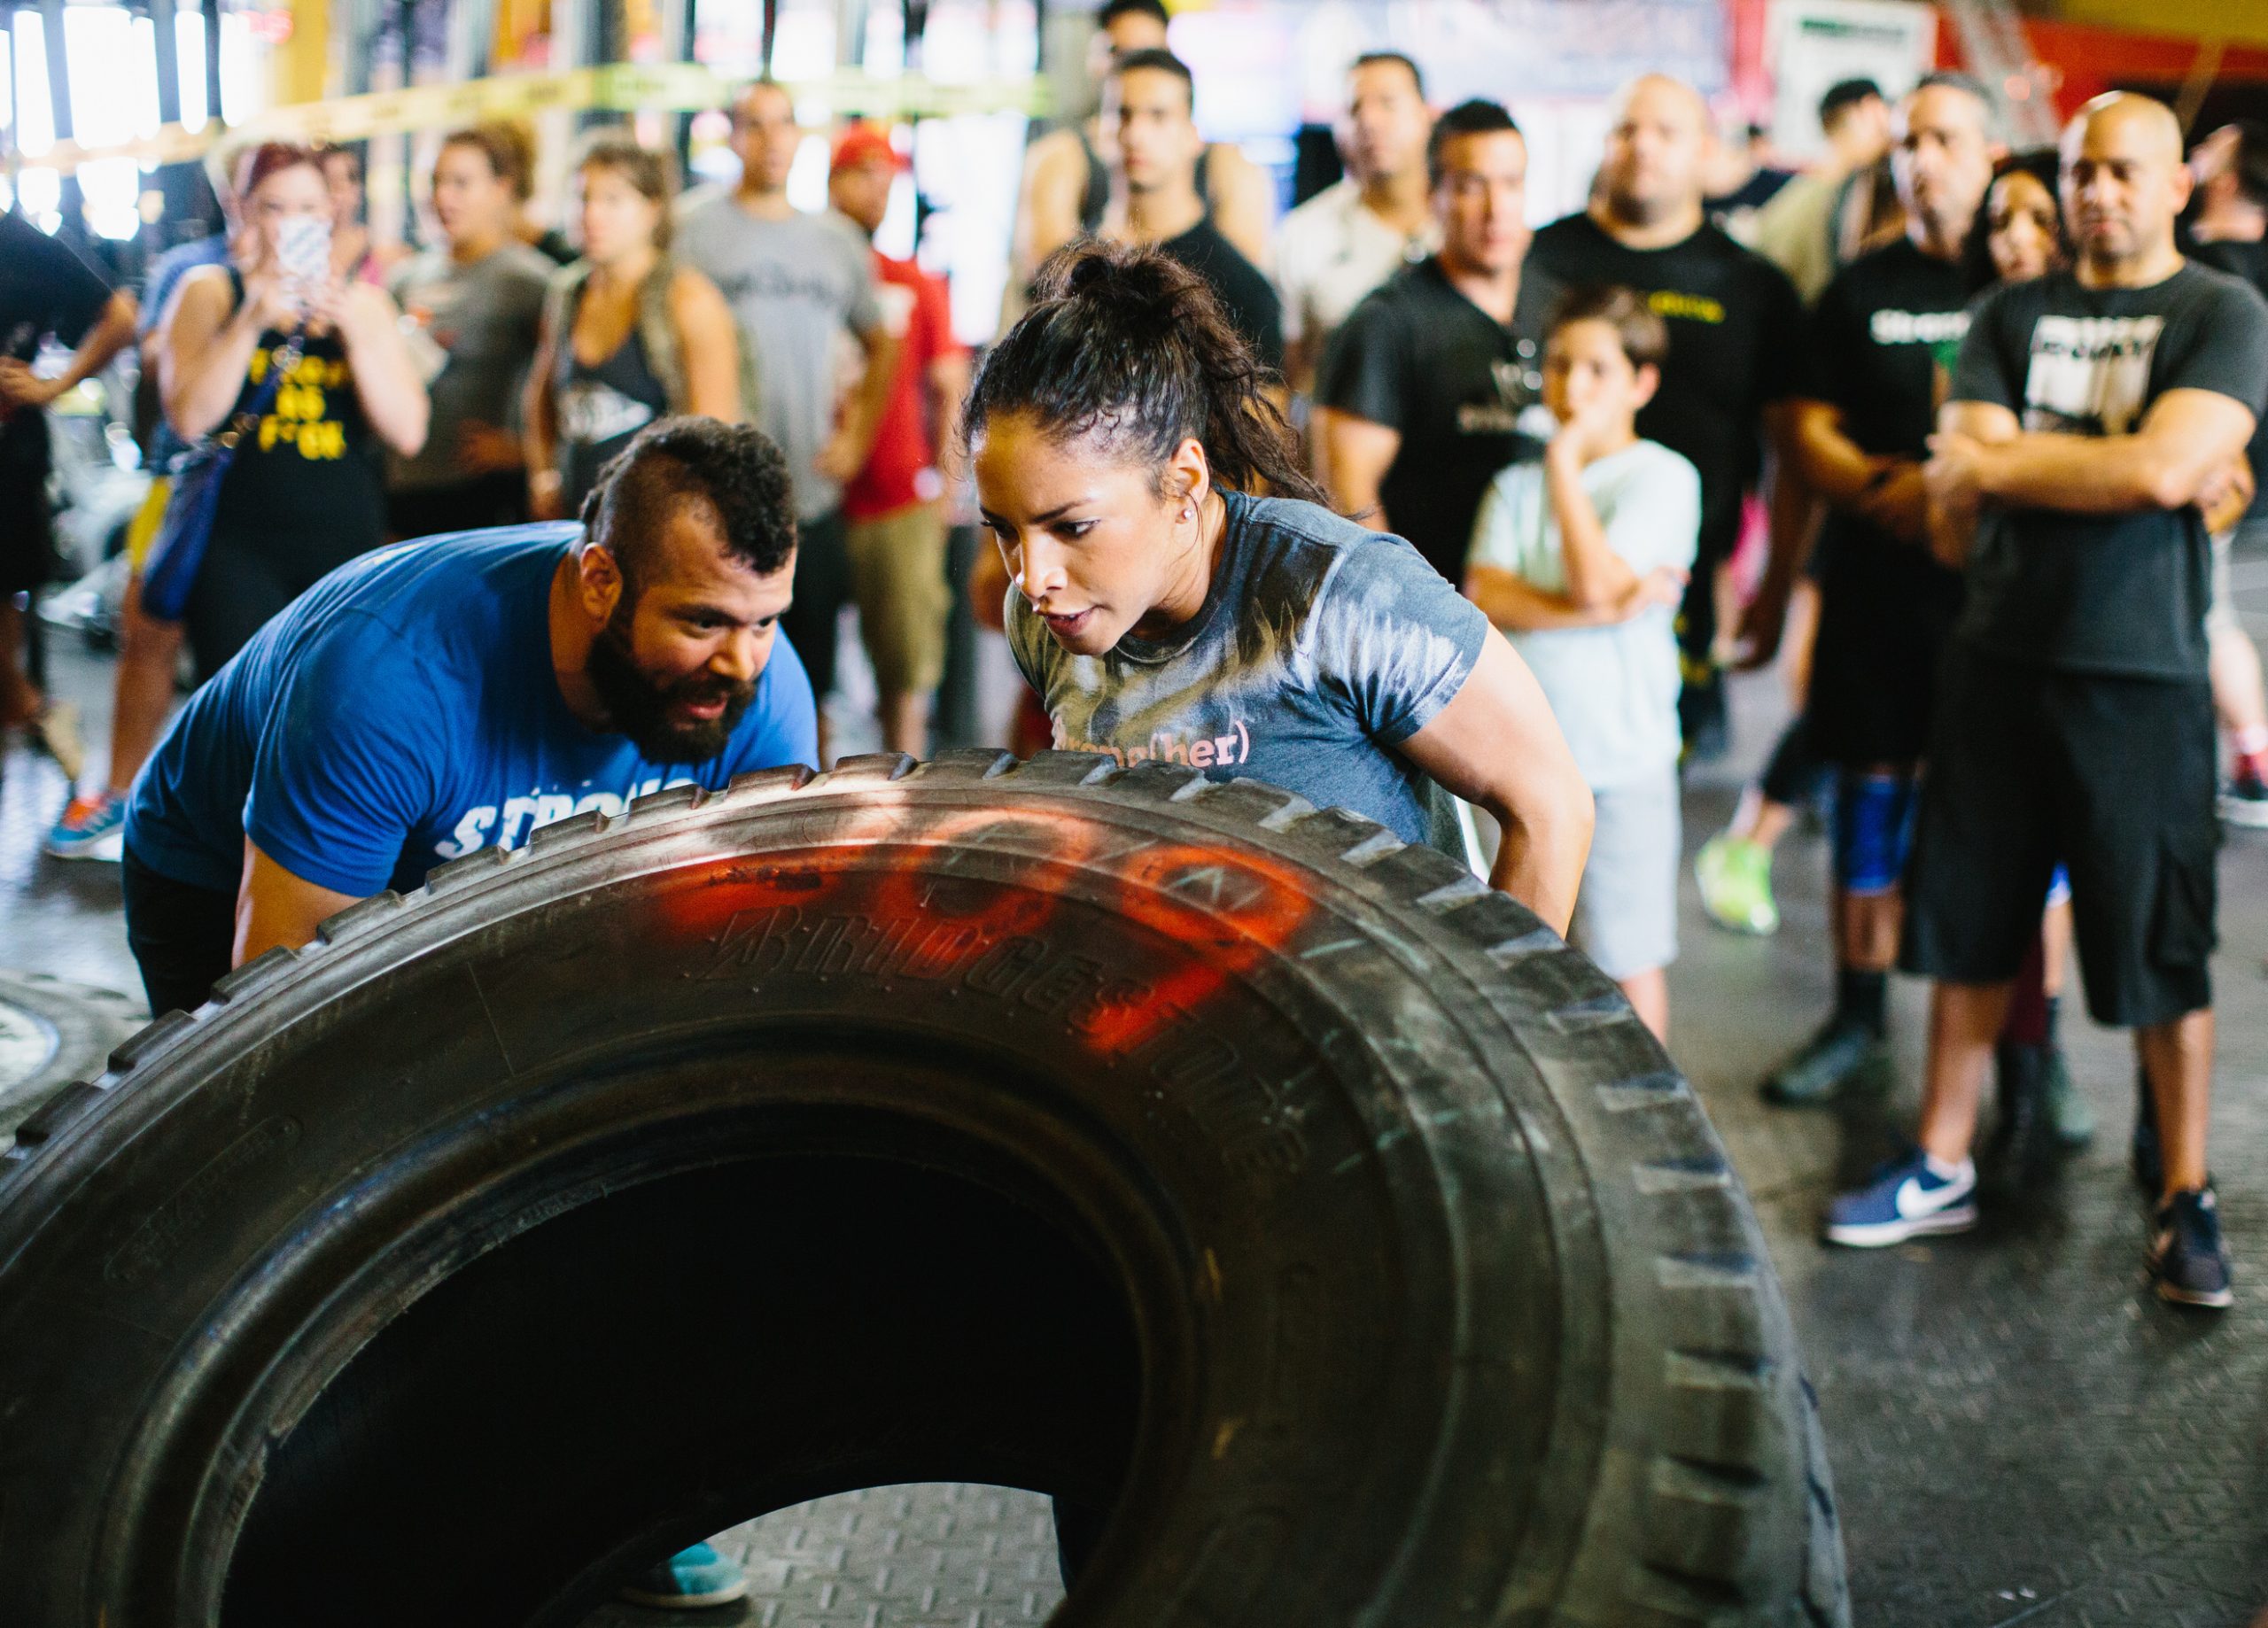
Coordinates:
(305, 492)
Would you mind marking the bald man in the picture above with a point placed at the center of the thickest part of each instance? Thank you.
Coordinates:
(2093, 417)
(1731, 378)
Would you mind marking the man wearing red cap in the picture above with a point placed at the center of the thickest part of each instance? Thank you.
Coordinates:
(893, 510)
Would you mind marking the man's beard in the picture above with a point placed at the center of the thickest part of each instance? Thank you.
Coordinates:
(639, 709)
(1633, 207)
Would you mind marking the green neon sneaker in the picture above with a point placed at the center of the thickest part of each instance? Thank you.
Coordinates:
(1735, 878)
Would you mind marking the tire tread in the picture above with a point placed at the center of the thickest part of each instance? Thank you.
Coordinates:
(1727, 1356)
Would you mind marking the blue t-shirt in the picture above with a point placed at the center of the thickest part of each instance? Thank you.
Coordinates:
(403, 713)
(1321, 648)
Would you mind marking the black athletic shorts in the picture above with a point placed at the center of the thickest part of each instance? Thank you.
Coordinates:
(182, 936)
(27, 532)
(1885, 612)
(2113, 777)
(822, 589)
(498, 499)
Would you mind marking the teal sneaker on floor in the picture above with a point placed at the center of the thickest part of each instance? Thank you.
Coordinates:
(690, 1580)
(91, 828)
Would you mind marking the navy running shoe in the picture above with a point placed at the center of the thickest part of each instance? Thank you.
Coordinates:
(1904, 1199)
(2189, 1263)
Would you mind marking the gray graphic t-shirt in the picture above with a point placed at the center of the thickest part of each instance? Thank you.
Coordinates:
(481, 320)
(1321, 648)
(795, 286)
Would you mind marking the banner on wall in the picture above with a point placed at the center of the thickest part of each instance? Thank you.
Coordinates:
(1811, 44)
(620, 87)
(1510, 49)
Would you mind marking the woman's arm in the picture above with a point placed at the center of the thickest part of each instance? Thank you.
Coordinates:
(386, 378)
(539, 427)
(1497, 745)
(205, 349)
(112, 332)
(710, 344)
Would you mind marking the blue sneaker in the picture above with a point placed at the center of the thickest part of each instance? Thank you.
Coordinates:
(1906, 1197)
(689, 1580)
(2188, 1262)
(91, 828)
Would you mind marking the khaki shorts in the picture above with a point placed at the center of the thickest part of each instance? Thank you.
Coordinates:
(897, 578)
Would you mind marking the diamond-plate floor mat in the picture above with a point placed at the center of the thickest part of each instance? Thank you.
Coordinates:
(931, 1556)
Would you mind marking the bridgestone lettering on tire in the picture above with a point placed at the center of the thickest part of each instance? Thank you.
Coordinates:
(1168, 1147)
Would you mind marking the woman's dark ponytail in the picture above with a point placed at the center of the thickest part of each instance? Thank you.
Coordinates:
(1130, 348)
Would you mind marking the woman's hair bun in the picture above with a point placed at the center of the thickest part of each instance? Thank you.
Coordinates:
(1123, 276)
(1126, 345)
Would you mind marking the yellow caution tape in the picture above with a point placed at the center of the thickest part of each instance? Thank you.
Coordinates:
(678, 86)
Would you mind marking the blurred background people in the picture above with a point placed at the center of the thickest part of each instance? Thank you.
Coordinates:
(47, 293)
(92, 823)
(1150, 107)
(1727, 383)
(894, 508)
(1355, 234)
(798, 285)
(1816, 224)
(2228, 229)
(628, 335)
(303, 492)
(1424, 385)
(1066, 170)
(475, 305)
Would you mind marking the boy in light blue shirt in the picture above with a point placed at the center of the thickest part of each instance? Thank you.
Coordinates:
(1581, 559)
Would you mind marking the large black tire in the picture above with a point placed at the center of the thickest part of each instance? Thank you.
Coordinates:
(1165, 1146)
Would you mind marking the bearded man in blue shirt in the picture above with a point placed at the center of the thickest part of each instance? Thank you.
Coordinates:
(428, 700)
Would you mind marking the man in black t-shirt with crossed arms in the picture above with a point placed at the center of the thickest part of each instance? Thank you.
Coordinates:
(2092, 413)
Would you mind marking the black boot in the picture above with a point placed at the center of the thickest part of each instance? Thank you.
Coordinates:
(2019, 1150)
(2149, 1162)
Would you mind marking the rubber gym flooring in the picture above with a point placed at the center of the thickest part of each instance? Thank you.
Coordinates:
(2020, 1434)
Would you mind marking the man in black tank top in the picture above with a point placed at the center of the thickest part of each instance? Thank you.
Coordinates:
(1066, 190)
(1148, 104)
(1094, 202)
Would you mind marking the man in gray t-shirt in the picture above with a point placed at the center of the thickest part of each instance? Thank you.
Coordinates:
(796, 283)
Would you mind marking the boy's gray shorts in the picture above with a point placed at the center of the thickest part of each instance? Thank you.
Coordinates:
(1625, 915)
